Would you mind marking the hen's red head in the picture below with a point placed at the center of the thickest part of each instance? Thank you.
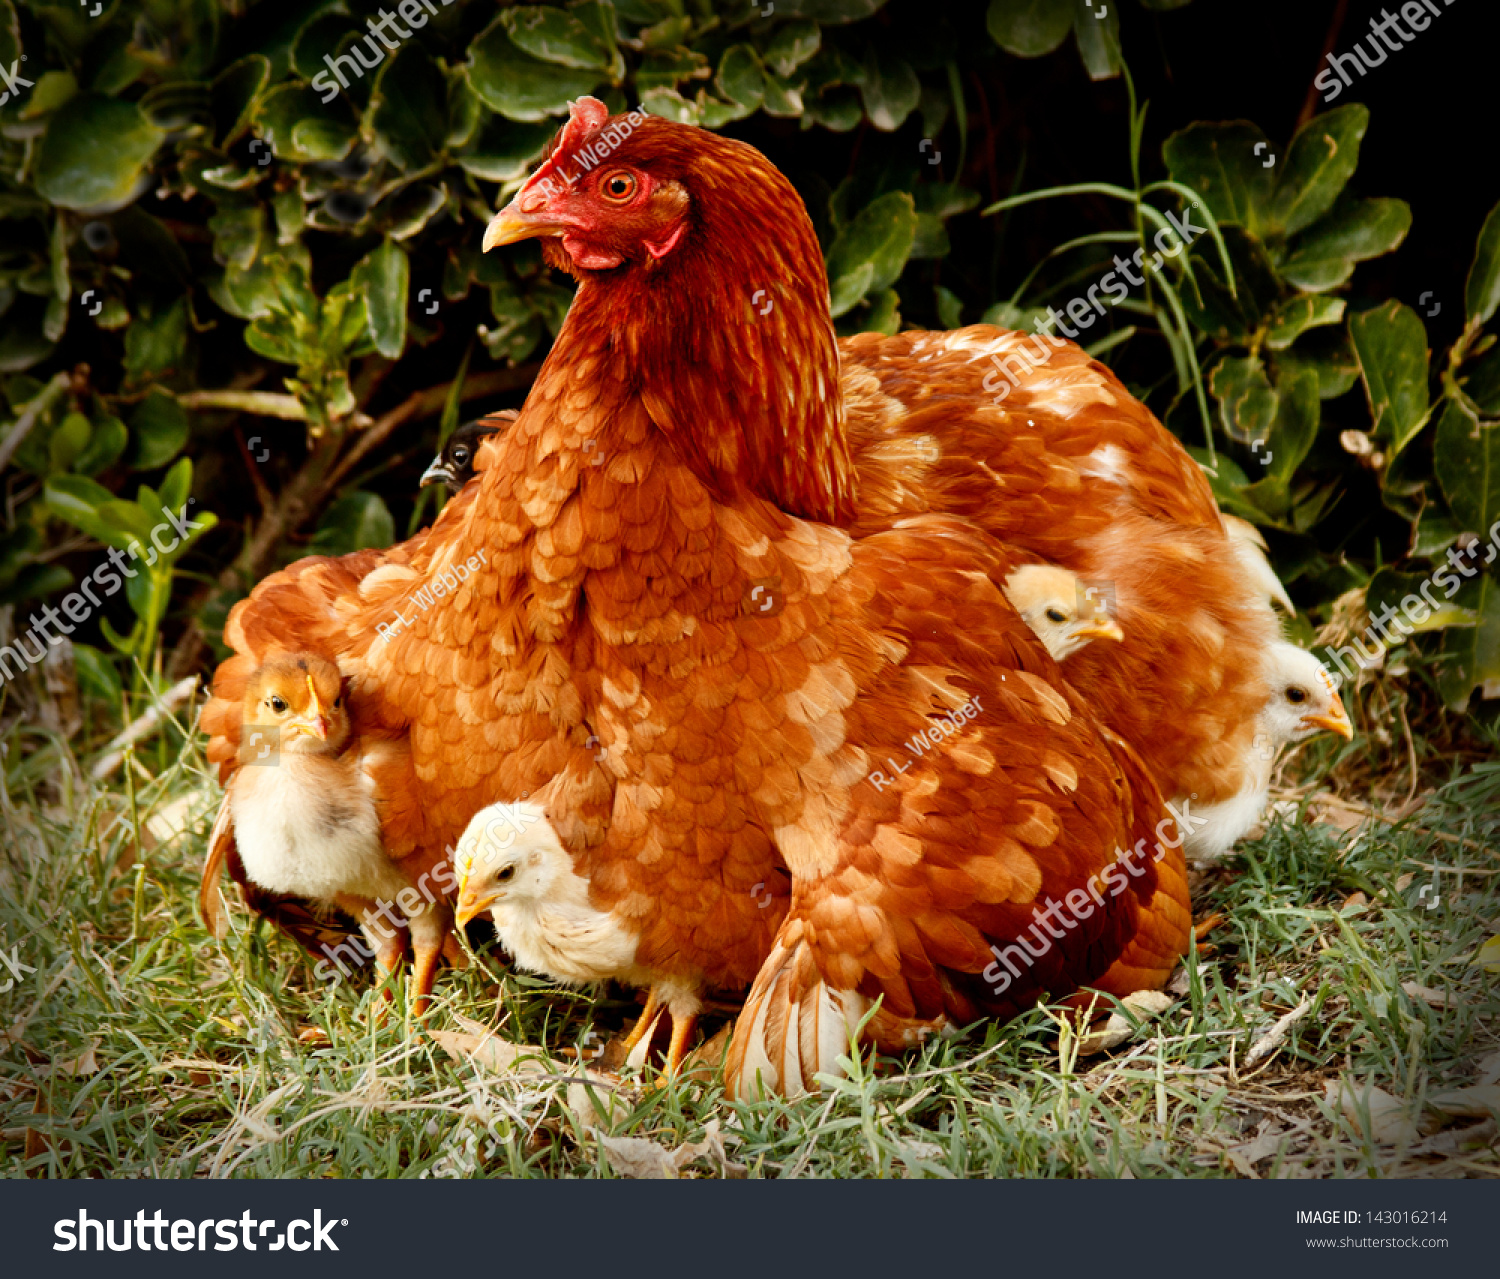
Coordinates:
(696, 257)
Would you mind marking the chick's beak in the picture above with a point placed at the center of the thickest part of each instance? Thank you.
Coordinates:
(472, 901)
(314, 722)
(1105, 628)
(437, 473)
(522, 219)
(1336, 721)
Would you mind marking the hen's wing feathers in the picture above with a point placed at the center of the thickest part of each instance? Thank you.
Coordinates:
(960, 836)
(1065, 465)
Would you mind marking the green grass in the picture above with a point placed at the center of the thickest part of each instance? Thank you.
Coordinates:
(199, 1069)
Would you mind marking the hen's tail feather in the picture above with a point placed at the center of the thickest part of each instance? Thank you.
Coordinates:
(1249, 549)
(793, 1027)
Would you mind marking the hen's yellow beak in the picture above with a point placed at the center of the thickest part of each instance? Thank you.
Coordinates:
(511, 225)
(1104, 628)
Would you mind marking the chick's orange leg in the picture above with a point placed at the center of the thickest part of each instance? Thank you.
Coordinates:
(429, 933)
(682, 1027)
(646, 1020)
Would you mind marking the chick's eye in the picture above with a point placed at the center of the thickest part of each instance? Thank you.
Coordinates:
(619, 186)
(1295, 694)
(1056, 615)
(276, 704)
(461, 456)
(507, 872)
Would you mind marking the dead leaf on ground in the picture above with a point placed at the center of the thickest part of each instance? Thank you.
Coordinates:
(479, 1044)
(1488, 956)
(1478, 1101)
(1390, 1123)
(1489, 1069)
(1143, 1004)
(702, 1065)
(84, 1063)
(1437, 998)
(643, 1159)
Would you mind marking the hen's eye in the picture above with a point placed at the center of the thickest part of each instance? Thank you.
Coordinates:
(507, 872)
(338, 701)
(1056, 615)
(276, 704)
(1295, 694)
(461, 456)
(619, 186)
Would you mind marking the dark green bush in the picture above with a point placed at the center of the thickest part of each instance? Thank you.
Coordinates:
(210, 249)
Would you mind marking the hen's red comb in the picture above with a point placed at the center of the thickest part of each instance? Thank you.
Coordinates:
(584, 116)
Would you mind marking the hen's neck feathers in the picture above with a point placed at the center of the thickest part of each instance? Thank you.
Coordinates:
(728, 339)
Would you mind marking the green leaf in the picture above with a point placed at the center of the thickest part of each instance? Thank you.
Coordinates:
(1402, 592)
(741, 78)
(301, 128)
(1466, 459)
(555, 35)
(1356, 230)
(97, 676)
(1220, 162)
(847, 289)
(884, 316)
(1473, 653)
(1296, 315)
(880, 238)
(83, 504)
(409, 108)
(792, 45)
(1097, 30)
(518, 85)
(156, 344)
(1481, 381)
(233, 92)
(1247, 401)
(1482, 295)
(68, 442)
(384, 278)
(1028, 28)
(1320, 161)
(1296, 424)
(891, 90)
(949, 308)
(159, 428)
(355, 521)
(95, 152)
(1329, 354)
(1391, 346)
(505, 150)
(106, 444)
